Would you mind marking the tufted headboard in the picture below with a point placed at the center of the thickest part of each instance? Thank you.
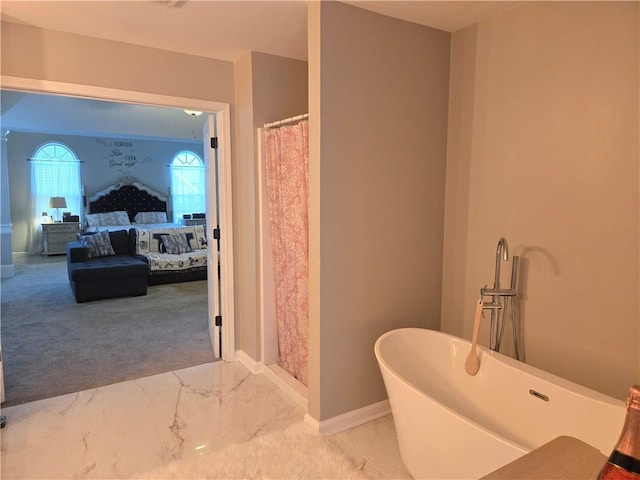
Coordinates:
(128, 195)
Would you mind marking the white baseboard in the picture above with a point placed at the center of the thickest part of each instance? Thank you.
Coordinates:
(283, 384)
(350, 419)
(253, 366)
(330, 426)
(7, 270)
(294, 389)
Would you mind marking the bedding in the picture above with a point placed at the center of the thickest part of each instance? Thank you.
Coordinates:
(144, 226)
(107, 219)
(166, 262)
(150, 240)
(192, 254)
(150, 217)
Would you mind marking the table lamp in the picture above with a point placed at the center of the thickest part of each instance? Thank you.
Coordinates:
(57, 203)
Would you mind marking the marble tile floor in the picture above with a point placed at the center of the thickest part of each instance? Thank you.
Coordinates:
(211, 421)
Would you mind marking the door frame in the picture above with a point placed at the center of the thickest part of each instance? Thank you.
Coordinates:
(213, 221)
(223, 126)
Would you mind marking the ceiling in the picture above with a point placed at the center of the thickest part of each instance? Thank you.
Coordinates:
(54, 114)
(225, 30)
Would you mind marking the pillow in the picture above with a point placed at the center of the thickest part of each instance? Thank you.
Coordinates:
(97, 244)
(120, 242)
(176, 243)
(108, 218)
(151, 217)
(161, 247)
(200, 240)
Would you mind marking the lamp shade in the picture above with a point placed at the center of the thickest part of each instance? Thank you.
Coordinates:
(57, 202)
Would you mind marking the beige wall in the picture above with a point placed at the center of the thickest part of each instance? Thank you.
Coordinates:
(268, 88)
(378, 116)
(61, 57)
(543, 149)
(245, 301)
(280, 88)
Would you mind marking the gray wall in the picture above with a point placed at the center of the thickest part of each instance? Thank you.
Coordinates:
(99, 168)
(544, 150)
(268, 88)
(378, 119)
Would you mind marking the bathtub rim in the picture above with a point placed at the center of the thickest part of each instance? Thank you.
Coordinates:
(517, 364)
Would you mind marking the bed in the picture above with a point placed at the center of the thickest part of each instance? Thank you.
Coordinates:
(143, 212)
(125, 204)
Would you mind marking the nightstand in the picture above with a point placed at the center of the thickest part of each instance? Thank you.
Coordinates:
(56, 235)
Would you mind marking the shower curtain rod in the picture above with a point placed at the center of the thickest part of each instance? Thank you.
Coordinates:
(286, 120)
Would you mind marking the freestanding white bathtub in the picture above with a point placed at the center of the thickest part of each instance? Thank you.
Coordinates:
(453, 425)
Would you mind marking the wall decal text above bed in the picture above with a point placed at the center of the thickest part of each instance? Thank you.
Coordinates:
(120, 153)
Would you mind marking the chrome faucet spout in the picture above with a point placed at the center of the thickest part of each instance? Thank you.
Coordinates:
(502, 253)
(503, 249)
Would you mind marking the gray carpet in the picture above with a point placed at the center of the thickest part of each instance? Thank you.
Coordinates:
(52, 345)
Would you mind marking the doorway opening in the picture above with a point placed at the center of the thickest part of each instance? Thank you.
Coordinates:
(222, 338)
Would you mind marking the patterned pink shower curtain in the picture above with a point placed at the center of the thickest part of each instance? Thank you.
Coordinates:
(287, 173)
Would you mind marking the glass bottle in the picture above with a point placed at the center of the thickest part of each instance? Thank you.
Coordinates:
(624, 461)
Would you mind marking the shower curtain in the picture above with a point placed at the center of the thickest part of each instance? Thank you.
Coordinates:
(287, 175)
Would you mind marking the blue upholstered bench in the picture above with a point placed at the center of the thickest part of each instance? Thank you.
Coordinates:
(118, 275)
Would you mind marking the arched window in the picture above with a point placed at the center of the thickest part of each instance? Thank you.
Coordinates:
(55, 172)
(188, 193)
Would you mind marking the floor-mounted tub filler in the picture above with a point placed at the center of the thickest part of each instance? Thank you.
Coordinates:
(451, 424)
